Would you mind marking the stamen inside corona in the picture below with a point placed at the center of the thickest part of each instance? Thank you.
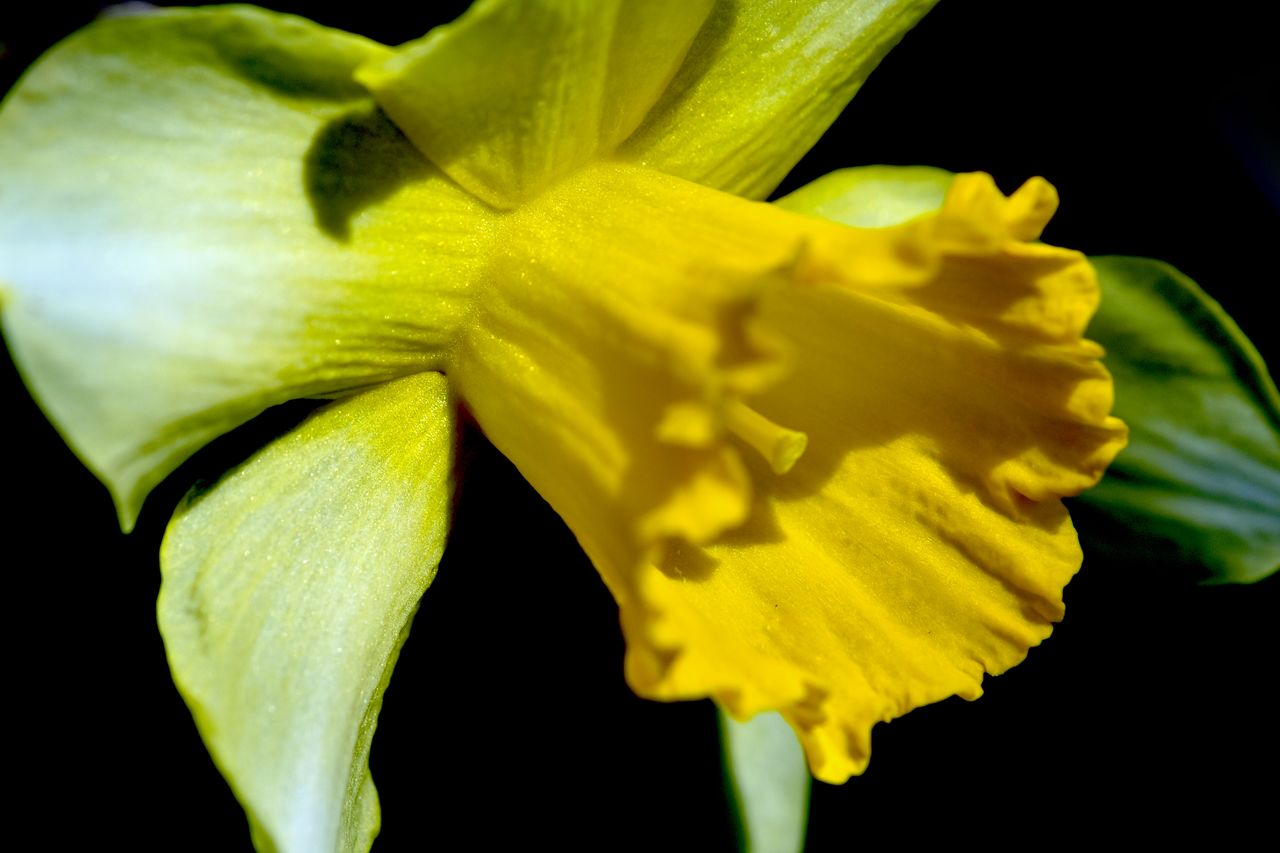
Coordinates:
(780, 446)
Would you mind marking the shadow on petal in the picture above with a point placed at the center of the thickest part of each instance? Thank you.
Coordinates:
(356, 161)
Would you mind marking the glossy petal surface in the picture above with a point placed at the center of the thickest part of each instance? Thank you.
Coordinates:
(202, 215)
(288, 590)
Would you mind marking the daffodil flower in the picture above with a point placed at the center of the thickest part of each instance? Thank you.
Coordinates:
(818, 465)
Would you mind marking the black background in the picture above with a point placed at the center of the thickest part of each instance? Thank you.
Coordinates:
(507, 722)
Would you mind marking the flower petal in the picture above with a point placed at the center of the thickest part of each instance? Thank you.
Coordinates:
(762, 83)
(288, 591)
(201, 215)
(609, 354)
(601, 374)
(518, 93)
(872, 196)
(920, 541)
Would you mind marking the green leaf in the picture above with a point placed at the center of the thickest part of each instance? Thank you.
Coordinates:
(203, 215)
(769, 781)
(288, 591)
(1199, 485)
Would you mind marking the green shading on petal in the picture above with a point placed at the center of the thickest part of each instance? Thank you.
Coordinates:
(769, 782)
(761, 84)
(1199, 485)
(872, 196)
(202, 215)
(517, 93)
(288, 590)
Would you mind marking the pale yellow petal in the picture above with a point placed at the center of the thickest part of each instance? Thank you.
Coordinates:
(288, 590)
(517, 93)
(872, 196)
(762, 83)
(202, 215)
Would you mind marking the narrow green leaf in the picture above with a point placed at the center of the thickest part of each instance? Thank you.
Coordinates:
(1199, 485)
(769, 782)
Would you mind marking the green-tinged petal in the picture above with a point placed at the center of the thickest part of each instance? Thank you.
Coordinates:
(872, 196)
(202, 215)
(761, 84)
(288, 591)
(769, 781)
(1199, 485)
(517, 93)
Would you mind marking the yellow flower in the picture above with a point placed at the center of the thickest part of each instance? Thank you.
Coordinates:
(819, 466)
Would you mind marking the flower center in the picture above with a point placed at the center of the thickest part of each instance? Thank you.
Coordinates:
(616, 340)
